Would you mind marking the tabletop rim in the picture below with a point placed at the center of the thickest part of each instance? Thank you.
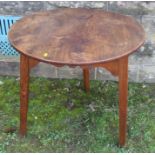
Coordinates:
(81, 63)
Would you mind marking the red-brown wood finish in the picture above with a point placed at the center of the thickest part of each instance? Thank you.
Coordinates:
(123, 96)
(77, 37)
(86, 79)
(24, 89)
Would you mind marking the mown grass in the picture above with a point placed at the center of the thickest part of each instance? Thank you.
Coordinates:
(63, 118)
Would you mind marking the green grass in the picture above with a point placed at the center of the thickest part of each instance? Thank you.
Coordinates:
(63, 118)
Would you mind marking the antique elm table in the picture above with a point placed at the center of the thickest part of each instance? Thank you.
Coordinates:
(77, 37)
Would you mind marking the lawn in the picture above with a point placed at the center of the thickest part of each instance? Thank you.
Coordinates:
(63, 118)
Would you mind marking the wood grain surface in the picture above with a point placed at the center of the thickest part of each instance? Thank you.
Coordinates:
(76, 36)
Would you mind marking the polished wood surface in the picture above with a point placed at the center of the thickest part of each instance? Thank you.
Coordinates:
(76, 36)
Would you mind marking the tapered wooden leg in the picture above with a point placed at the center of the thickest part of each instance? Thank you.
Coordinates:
(24, 92)
(123, 96)
(86, 79)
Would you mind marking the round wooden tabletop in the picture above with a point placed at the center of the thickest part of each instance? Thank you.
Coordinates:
(76, 36)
